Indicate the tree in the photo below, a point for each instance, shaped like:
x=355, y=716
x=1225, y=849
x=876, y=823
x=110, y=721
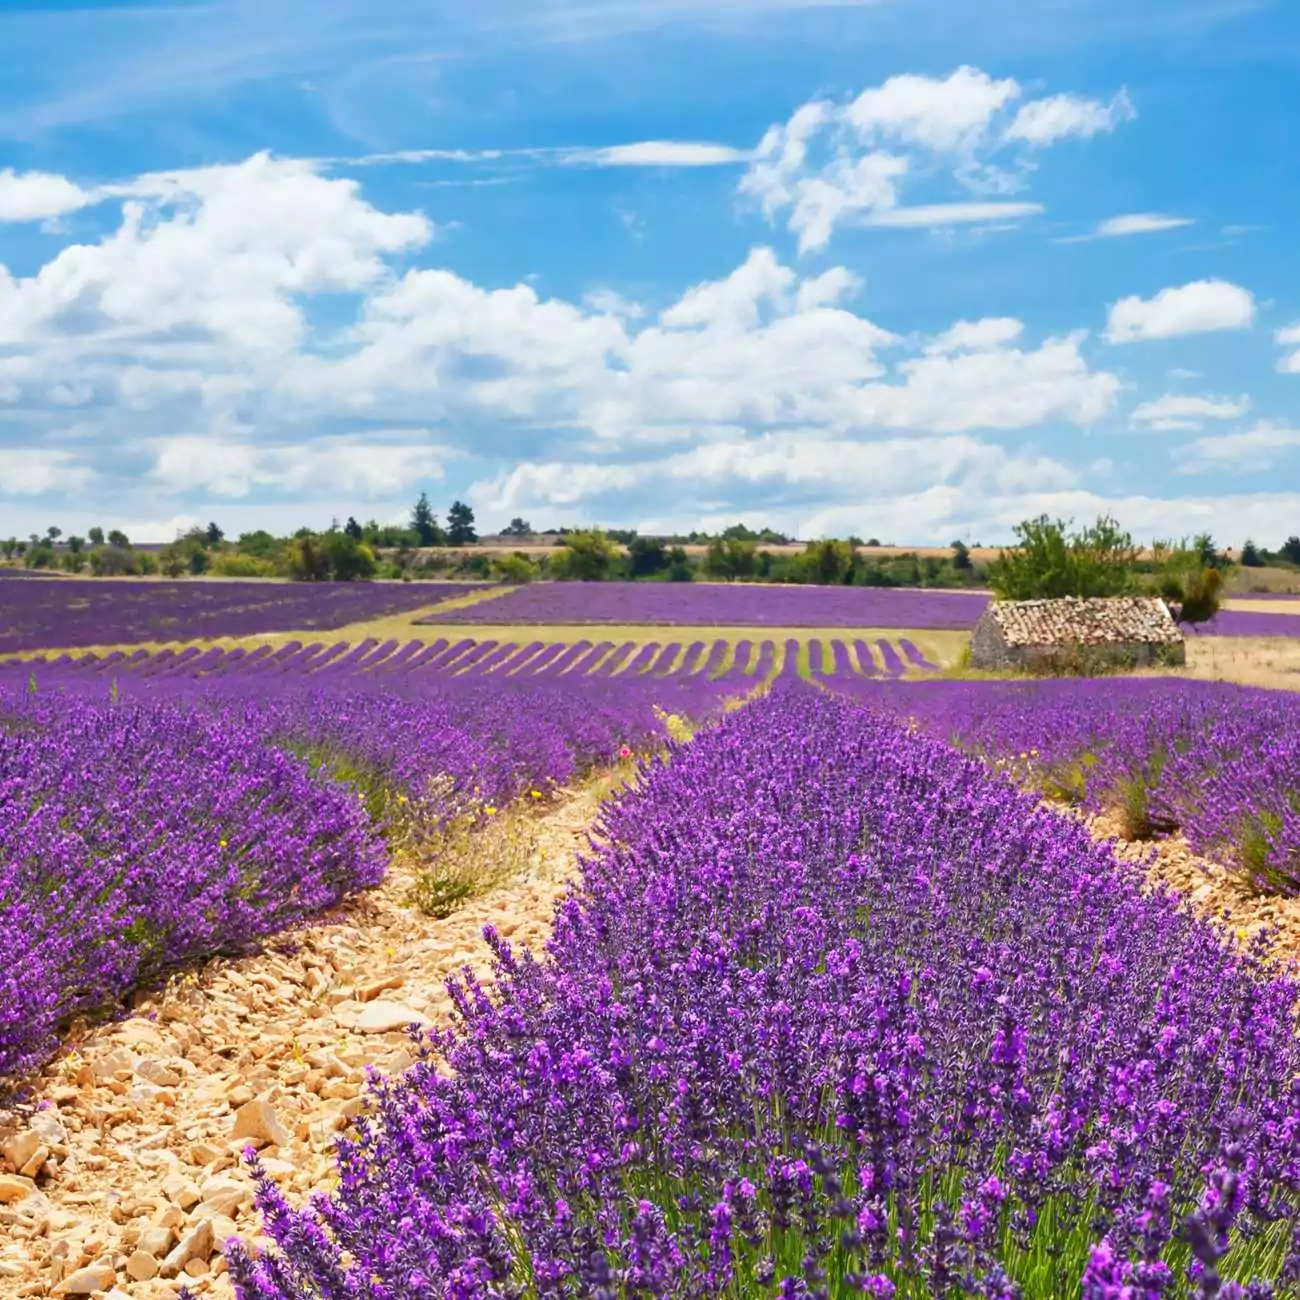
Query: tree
x=53, y=533
x=213, y=535
x=731, y=558
x=1192, y=587
x=827, y=562
x=119, y=539
x=587, y=555
x=353, y=529
x=9, y=547
x=1206, y=551
x=349, y=560
x=646, y=556
x=258, y=543
x=424, y=523
x=517, y=527
x=961, y=556
x=96, y=536
x=1049, y=561
x=516, y=567
x=1250, y=556
x=76, y=545
x=679, y=566
x=1290, y=551
x=460, y=525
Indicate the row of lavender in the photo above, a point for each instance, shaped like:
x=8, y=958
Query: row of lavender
x=757, y=605
x=834, y=1011
x=151, y=822
x=80, y=612
x=467, y=657
x=1219, y=762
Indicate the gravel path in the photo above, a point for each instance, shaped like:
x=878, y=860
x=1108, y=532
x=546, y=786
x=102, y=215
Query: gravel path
x=129, y=1178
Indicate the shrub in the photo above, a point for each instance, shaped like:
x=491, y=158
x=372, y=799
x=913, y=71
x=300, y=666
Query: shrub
x=235, y=564
x=516, y=568
x=1049, y=561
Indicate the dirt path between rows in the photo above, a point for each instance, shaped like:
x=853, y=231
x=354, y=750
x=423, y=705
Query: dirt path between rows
x=133, y=1170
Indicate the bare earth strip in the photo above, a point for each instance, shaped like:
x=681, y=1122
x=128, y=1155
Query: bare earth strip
x=136, y=1157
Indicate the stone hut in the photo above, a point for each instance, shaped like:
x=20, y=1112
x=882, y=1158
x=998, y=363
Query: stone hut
x=1125, y=631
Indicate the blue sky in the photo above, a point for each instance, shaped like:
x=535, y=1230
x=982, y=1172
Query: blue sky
x=908, y=268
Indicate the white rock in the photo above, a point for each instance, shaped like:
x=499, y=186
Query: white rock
x=383, y=1017
x=257, y=1120
x=195, y=1244
x=86, y=1281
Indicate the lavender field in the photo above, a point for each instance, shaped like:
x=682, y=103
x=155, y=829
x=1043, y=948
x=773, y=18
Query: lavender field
x=723, y=605
x=833, y=1011
x=58, y=612
x=835, y=1005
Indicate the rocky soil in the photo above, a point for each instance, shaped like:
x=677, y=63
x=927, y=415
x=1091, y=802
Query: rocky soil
x=1219, y=893
x=128, y=1177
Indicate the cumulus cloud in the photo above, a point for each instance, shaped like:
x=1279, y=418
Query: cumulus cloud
x=976, y=335
x=1250, y=452
x=1178, y=411
x=835, y=164
x=190, y=346
x=37, y=196
x=1045, y=121
x=1201, y=307
x=1289, y=338
x=36, y=471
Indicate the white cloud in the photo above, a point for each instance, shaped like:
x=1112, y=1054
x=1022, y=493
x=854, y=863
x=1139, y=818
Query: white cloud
x=217, y=253
x=660, y=153
x=1139, y=223
x=1177, y=411
x=34, y=471
x=827, y=289
x=1045, y=121
x=37, y=196
x=1250, y=452
x=976, y=335
x=832, y=165
x=1289, y=337
x=939, y=116
x=929, y=215
x=191, y=342
x=371, y=466
x=1197, y=308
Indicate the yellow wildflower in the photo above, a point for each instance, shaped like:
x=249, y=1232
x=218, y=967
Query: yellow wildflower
x=222, y=843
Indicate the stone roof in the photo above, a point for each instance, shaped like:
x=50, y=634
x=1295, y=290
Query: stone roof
x=1098, y=621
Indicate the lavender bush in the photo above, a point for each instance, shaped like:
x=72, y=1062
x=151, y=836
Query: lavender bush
x=1219, y=762
x=136, y=838
x=833, y=1011
x=150, y=819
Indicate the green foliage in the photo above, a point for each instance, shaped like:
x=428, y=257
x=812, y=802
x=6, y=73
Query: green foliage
x=517, y=527
x=516, y=567
x=234, y=564
x=39, y=556
x=188, y=554
x=469, y=851
x=587, y=555
x=731, y=558
x=329, y=556
x=460, y=525
x=424, y=523
x=826, y=562
x=1290, y=551
x=1250, y=556
x=118, y=538
x=1050, y=561
x=353, y=529
x=1188, y=578
x=679, y=566
x=96, y=536
x=961, y=556
x=113, y=561
x=646, y=556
